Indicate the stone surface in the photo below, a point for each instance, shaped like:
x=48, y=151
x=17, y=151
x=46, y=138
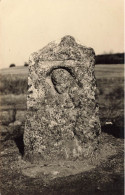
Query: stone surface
x=62, y=119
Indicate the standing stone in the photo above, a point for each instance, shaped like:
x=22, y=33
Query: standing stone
x=62, y=112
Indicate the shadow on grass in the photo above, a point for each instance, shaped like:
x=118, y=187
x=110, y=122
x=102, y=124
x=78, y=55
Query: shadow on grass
x=112, y=129
x=20, y=144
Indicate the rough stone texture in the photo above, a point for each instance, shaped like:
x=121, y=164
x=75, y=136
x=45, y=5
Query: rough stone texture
x=62, y=117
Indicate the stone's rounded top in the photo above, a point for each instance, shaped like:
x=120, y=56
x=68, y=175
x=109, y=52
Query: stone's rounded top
x=68, y=41
x=66, y=49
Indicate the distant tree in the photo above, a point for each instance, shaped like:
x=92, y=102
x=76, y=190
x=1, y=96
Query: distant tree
x=26, y=64
x=12, y=65
x=111, y=51
x=104, y=53
x=112, y=58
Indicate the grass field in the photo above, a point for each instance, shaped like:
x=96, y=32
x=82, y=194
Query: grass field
x=109, y=71
x=15, y=70
x=110, y=83
x=105, y=174
x=101, y=70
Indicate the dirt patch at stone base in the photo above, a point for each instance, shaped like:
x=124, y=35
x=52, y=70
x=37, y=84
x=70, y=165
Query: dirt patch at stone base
x=102, y=174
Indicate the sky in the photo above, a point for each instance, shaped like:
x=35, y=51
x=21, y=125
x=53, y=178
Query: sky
x=28, y=25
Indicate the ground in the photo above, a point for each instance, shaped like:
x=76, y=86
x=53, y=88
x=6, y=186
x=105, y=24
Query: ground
x=100, y=174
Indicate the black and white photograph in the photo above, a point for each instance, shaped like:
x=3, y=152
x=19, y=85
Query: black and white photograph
x=62, y=97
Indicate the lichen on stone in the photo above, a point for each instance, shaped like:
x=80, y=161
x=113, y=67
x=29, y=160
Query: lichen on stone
x=62, y=112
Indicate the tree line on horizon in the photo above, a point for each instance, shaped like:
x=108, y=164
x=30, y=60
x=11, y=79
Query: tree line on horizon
x=117, y=58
